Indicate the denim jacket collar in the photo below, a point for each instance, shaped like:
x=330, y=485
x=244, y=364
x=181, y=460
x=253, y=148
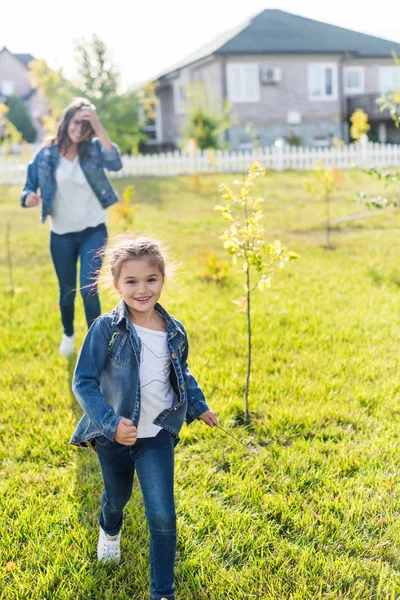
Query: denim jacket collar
x=121, y=315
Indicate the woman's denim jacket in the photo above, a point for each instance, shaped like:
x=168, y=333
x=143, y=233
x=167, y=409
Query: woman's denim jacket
x=106, y=379
x=42, y=174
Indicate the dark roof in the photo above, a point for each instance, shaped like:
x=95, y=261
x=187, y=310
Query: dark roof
x=279, y=32
x=24, y=58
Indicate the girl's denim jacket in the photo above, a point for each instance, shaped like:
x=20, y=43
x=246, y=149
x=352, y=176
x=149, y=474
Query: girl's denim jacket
x=42, y=174
x=106, y=379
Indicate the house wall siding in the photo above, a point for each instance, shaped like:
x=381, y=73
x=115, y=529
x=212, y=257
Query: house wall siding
x=11, y=69
x=269, y=116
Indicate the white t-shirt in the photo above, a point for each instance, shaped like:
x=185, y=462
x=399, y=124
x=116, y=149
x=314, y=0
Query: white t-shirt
x=75, y=206
x=156, y=391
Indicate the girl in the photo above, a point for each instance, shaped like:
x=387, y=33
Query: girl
x=75, y=193
x=133, y=382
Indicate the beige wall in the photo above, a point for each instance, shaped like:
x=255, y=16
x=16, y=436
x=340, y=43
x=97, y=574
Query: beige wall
x=276, y=100
x=11, y=69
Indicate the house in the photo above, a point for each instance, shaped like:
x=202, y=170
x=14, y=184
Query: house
x=14, y=81
x=287, y=75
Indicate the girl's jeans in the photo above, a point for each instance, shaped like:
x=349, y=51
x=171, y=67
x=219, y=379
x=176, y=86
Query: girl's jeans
x=65, y=250
x=153, y=460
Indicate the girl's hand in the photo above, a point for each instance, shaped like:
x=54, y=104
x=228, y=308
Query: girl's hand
x=89, y=115
x=126, y=433
x=32, y=200
x=209, y=417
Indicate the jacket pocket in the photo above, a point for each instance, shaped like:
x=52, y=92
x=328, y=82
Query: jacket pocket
x=101, y=440
x=120, y=351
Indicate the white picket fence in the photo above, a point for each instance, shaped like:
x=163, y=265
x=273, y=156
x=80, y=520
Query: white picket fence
x=168, y=164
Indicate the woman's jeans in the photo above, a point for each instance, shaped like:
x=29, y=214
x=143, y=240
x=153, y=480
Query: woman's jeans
x=65, y=250
x=153, y=460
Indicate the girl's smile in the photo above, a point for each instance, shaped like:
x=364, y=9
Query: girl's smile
x=140, y=283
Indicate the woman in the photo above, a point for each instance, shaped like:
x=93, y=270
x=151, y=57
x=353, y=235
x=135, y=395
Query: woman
x=75, y=193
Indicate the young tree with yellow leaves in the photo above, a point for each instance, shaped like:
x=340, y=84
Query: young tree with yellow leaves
x=359, y=124
x=321, y=186
x=244, y=240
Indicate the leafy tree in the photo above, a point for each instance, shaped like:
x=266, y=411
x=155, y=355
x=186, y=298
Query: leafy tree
x=57, y=90
x=390, y=179
x=125, y=211
x=245, y=241
x=19, y=116
x=322, y=184
x=207, y=118
x=98, y=80
x=9, y=133
x=359, y=124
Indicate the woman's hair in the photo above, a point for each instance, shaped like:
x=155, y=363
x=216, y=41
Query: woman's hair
x=62, y=138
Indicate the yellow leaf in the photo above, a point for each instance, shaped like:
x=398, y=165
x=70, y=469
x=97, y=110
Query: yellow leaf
x=10, y=565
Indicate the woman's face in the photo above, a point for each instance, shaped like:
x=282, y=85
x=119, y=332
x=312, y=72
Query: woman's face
x=78, y=129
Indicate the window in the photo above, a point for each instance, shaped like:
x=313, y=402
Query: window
x=322, y=81
x=179, y=97
x=243, y=82
x=7, y=88
x=389, y=79
x=353, y=80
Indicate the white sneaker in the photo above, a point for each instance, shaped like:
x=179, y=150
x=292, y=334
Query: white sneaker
x=67, y=346
x=108, y=548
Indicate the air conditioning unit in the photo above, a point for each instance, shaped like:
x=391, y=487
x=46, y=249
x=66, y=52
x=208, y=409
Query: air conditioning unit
x=270, y=74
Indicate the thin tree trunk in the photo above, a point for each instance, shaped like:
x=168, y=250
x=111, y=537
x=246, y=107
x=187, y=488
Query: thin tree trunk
x=328, y=223
x=246, y=393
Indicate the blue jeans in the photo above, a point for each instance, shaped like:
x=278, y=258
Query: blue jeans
x=153, y=460
x=65, y=250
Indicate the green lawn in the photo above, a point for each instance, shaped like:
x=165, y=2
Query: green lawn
x=312, y=509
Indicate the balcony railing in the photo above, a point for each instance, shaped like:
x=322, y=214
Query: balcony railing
x=367, y=102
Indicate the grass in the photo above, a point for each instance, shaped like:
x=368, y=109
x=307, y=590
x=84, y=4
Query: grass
x=312, y=509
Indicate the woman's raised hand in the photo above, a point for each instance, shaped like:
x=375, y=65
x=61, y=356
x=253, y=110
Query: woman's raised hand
x=89, y=114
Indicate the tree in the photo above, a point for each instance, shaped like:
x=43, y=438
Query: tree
x=98, y=80
x=9, y=133
x=245, y=241
x=57, y=90
x=321, y=186
x=19, y=116
x=359, y=124
x=391, y=102
x=207, y=118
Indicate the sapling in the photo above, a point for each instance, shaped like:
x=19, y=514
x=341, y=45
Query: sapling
x=244, y=240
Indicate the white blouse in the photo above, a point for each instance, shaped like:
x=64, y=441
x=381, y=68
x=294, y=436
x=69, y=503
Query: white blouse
x=156, y=392
x=75, y=206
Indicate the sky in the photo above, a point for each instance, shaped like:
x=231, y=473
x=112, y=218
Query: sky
x=145, y=38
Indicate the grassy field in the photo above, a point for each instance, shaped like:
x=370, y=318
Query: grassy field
x=312, y=509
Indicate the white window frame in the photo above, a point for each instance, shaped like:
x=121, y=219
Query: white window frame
x=241, y=96
x=179, y=100
x=382, y=70
x=349, y=91
x=322, y=66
